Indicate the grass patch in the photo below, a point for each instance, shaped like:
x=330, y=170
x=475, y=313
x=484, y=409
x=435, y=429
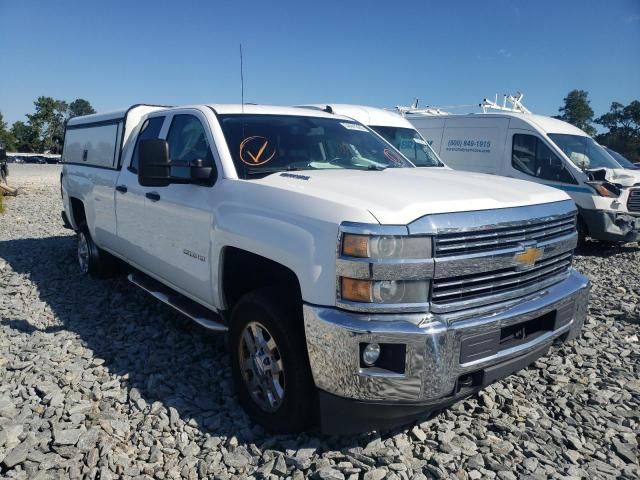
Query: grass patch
x=1, y=203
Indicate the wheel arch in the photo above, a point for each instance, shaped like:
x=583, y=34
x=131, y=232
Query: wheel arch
x=243, y=272
x=78, y=213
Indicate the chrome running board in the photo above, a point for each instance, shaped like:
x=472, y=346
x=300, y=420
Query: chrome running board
x=196, y=312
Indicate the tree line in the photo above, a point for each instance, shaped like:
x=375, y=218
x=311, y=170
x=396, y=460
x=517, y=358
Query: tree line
x=44, y=129
x=621, y=121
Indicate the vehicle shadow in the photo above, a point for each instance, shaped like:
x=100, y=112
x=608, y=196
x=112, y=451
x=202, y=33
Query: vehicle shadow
x=604, y=249
x=158, y=355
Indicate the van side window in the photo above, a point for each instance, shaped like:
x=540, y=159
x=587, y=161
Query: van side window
x=150, y=129
x=187, y=142
x=530, y=155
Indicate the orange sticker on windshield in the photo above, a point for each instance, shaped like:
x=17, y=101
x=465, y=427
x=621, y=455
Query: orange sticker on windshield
x=255, y=151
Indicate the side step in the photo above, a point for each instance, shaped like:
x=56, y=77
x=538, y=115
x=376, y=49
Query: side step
x=184, y=305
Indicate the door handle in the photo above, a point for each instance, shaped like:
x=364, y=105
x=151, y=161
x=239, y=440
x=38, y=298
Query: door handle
x=122, y=188
x=153, y=196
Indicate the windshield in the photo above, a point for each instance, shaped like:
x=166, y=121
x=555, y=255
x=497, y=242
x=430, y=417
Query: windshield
x=411, y=145
x=623, y=161
x=584, y=152
x=263, y=144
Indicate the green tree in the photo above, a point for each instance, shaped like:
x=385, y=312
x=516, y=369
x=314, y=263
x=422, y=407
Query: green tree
x=48, y=122
x=6, y=136
x=577, y=111
x=26, y=138
x=79, y=107
x=623, y=123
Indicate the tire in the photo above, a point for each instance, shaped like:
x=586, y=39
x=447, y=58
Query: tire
x=582, y=232
x=92, y=260
x=282, y=368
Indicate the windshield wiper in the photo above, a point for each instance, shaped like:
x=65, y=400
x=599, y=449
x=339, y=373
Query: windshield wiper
x=377, y=168
x=266, y=171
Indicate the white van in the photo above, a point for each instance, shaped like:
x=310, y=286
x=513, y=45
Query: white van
x=544, y=150
x=392, y=127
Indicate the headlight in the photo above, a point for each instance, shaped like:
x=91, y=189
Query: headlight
x=386, y=246
x=384, y=291
x=605, y=189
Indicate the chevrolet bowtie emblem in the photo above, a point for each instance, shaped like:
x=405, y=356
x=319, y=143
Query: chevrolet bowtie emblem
x=529, y=257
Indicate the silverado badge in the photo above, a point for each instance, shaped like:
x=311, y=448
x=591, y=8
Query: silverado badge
x=528, y=257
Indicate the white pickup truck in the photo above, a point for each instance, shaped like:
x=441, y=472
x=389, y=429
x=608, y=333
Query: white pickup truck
x=356, y=289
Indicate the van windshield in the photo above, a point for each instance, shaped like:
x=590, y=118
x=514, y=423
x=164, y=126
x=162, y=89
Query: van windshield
x=411, y=144
x=584, y=152
x=622, y=160
x=264, y=144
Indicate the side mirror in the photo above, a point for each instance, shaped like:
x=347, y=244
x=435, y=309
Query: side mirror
x=154, y=167
x=556, y=164
x=200, y=172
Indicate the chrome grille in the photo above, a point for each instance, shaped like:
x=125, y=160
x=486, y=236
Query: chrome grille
x=633, y=204
x=461, y=243
x=484, y=284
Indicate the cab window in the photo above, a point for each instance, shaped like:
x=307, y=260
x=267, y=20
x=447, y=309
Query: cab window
x=187, y=143
x=150, y=129
x=531, y=155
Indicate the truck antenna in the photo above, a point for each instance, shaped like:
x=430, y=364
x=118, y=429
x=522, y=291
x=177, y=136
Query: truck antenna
x=241, y=80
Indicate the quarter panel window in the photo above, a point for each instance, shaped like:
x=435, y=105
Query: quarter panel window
x=150, y=129
x=187, y=142
x=532, y=156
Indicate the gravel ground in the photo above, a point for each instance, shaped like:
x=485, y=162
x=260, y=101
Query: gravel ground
x=98, y=380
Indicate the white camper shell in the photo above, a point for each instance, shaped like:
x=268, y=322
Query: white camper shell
x=391, y=126
x=544, y=150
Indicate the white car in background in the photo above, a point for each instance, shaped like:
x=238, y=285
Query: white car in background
x=543, y=150
x=392, y=127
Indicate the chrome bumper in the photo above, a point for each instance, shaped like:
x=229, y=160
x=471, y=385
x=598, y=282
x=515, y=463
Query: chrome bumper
x=440, y=349
x=612, y=226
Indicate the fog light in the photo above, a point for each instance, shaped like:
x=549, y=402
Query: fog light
x=370, y=354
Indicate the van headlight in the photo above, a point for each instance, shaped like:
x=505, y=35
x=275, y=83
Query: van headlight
x=385, y=246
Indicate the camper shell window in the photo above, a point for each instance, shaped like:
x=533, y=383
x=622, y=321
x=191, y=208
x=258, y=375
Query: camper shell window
x=92, y=145
x=532, y=156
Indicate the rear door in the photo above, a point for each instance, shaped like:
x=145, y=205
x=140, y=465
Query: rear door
x=179, y=218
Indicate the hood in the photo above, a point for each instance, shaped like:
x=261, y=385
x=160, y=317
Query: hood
x=621, y=176
x=401, y=195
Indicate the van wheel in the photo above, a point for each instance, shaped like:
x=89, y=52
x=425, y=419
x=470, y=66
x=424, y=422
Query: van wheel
x=269, y=362
x=91, y=259
x=582, y=233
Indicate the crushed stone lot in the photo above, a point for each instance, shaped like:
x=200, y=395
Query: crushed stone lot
x=99, y=380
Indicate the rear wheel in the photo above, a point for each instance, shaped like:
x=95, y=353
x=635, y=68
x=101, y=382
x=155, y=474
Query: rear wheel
x=92, y=260
x=269, y=362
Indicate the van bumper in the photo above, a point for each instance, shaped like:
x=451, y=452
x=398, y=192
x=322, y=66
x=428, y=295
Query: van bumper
x=619, y=227
x=432, y=361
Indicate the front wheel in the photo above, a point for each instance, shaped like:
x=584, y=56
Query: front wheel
x=582, y=232
x=269, y=362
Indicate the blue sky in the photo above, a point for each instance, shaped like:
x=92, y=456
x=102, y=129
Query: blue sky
x=116, y=53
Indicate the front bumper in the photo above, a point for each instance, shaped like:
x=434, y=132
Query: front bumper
x=612, y=226
x=447, y=357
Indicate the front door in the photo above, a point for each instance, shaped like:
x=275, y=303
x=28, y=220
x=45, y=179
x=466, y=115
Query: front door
x=530, y=158
x=130, y=201
x=179, y=217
